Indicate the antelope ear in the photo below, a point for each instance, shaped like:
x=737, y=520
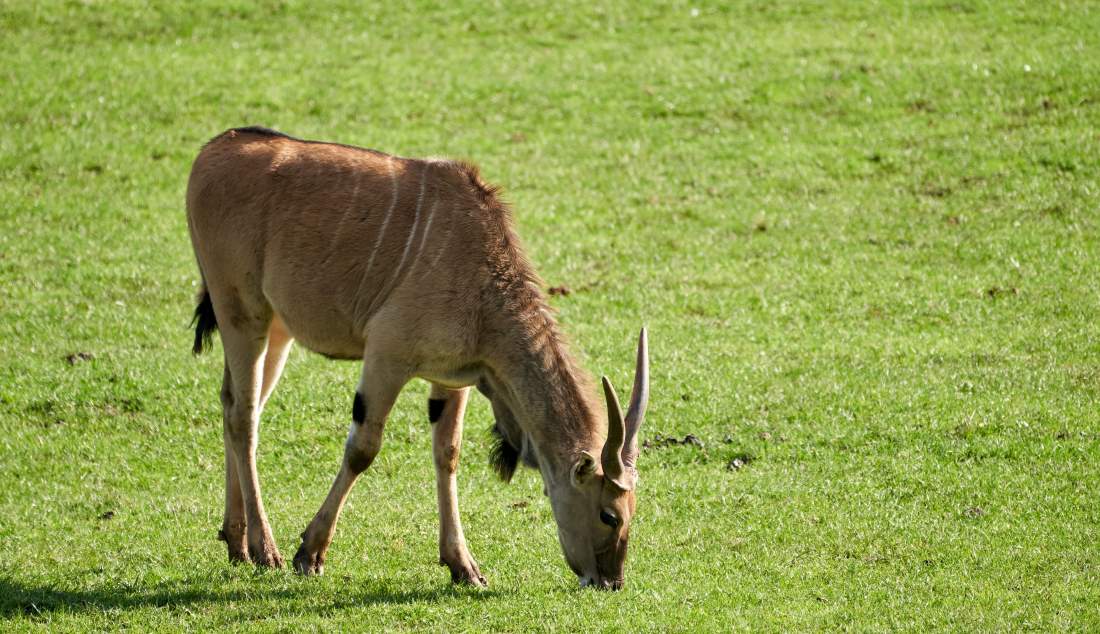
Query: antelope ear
x=583, y=469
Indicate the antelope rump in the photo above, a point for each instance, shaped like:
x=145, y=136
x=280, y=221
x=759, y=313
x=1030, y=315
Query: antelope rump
x=413, y=268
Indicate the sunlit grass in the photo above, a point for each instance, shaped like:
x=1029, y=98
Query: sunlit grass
x=863, y=237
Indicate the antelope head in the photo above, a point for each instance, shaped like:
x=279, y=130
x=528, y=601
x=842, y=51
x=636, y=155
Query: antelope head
x=594, y=507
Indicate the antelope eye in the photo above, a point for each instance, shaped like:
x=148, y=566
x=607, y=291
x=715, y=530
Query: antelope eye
x=609, y=519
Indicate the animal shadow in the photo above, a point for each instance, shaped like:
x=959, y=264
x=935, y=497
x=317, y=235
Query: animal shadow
x=19, y=597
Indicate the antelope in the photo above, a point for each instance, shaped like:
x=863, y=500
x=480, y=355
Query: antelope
x=413, y=268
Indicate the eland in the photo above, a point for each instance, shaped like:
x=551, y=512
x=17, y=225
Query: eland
x=413, y=268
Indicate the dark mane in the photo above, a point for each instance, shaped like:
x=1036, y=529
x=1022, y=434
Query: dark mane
x=260, y=130
x=503, y=455
x=518, y=290
x=487, y=193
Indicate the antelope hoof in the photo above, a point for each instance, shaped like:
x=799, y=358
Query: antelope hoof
x=307, y=563
x=237, y=546
x=465, y=573
x=266, y=556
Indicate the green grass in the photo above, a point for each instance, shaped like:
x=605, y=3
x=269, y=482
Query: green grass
x=864, y=237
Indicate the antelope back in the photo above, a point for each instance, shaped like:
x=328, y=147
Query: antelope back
x=333, y=237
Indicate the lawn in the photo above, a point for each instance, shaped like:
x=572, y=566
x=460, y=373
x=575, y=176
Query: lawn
x=864, y=237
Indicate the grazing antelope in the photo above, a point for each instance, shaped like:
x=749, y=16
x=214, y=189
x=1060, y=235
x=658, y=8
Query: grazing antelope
x=413, y=268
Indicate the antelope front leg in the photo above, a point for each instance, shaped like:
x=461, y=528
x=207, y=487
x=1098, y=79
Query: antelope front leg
x=445, y=411
x=378, y=389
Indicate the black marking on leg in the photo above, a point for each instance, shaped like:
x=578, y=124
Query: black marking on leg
x=503, y=457
x=358, y=461
x=435, y=408
x=358, y=409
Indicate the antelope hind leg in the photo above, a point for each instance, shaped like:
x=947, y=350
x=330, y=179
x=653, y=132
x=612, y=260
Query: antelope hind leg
x=279, y=341
x=244, y=357
x=234, y=527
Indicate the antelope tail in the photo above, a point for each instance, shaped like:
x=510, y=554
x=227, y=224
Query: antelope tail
x=204, y=321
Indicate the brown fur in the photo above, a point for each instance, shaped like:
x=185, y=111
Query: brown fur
x=412, y=266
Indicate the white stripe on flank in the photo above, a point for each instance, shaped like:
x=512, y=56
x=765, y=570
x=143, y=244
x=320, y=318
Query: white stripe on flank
x=427, y=228
x=416, y=215
x=354, y=203
x=386, y=220
x=355, y=192
x=441, y=247
x=412, y=229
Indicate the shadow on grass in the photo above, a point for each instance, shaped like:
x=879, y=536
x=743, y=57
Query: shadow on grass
x=29, y=599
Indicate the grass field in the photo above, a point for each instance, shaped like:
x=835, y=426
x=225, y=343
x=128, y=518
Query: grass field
x=864, y=237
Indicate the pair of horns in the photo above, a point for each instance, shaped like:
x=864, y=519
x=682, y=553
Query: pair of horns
x=620, y=453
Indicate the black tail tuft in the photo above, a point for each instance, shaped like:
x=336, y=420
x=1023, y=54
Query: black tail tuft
x=205, y=322
x=503, y=457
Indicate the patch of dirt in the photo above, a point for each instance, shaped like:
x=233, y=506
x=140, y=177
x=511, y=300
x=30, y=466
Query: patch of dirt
x=107, y=516
x=740, y=461
x=78, y=357
x=993, y=292
x=934, y=190
x=974, y=512
x=559, y=291
x=46, y=413
x=660, y=440
x=921, y=105
x=123, y=405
